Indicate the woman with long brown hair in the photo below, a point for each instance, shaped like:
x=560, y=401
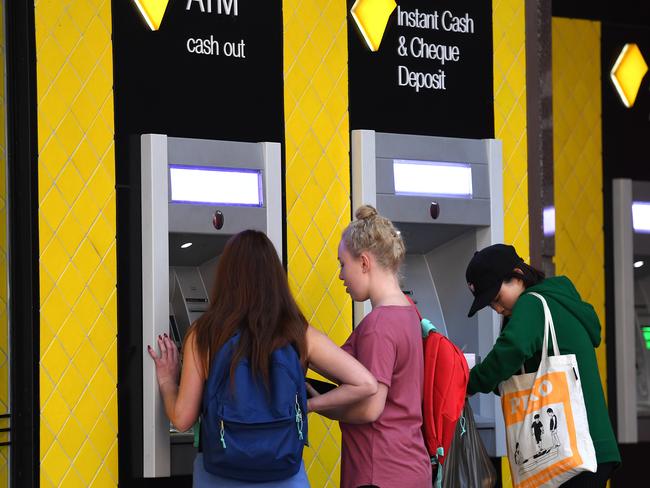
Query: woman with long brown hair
x=251, y=301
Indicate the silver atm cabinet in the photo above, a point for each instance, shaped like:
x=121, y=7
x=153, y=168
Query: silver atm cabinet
x=445, y=197
x=631, y=245
x=195, y=195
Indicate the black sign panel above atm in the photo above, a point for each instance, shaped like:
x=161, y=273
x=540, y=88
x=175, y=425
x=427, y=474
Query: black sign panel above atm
x=421, y=67
x=199, y=68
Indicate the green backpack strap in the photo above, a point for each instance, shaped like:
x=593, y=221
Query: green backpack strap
x=427, y=328
x=439, y=452
x=197, y=432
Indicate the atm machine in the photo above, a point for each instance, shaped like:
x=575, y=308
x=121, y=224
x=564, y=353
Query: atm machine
x=195, y=194
x=631, y=239
x=445, y=197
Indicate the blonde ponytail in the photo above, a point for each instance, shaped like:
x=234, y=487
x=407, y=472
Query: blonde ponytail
x=376, y=234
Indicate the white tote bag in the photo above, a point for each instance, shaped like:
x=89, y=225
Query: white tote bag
x=547, y=432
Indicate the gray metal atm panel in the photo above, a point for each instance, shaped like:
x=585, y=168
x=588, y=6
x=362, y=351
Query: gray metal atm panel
x=447, y=265
x=415, y=209
x=203, y=152
x=423, y=290
x=197, y=219
x=386, y=180
x=412, y=208
x=442, y=247
x=448, y=149
x=165, y=226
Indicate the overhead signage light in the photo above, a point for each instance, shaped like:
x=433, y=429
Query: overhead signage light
x=628, y=72
x=223, y=186
x=548, y=221
x=641, y=217
x=412, y=177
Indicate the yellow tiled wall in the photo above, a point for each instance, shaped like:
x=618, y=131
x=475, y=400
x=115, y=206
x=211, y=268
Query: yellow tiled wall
x=577, y=154
x=77, y=211
x=509, y=32
x=76, y=185
x=318, y=187
x=318, y=167
x=5, y=407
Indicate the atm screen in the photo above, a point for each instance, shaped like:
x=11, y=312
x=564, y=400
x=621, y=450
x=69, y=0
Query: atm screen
x=413, y=177
x=222, y=186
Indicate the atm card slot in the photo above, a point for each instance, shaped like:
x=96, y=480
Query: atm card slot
x=174, y=332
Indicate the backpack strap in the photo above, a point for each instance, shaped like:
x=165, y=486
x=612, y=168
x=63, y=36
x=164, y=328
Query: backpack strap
x=427, y=328
x=197, y=433
x=430, y=353
x=434, y=461
x=219, y=369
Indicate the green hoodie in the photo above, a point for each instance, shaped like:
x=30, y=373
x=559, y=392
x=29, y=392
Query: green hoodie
x=578, y=332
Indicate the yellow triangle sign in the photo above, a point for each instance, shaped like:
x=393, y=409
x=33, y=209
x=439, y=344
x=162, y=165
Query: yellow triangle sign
x=152, y=11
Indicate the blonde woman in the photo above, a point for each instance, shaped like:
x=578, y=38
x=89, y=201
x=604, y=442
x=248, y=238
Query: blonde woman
x=382, y=443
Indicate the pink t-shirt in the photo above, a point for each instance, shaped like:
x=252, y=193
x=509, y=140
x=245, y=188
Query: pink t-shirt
x=389, y=452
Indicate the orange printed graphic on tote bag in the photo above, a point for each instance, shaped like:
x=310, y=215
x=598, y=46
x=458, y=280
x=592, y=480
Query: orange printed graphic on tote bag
x=549, y=392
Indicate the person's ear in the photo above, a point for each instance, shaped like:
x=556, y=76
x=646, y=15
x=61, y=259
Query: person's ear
x=517, y=270
x=365, y=262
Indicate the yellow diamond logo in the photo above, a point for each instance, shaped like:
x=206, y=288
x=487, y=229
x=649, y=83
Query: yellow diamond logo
x=152, y=11
x=372, y=17
x=628, y=72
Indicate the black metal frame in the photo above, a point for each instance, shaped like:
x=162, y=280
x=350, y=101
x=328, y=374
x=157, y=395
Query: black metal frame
x=22, y=177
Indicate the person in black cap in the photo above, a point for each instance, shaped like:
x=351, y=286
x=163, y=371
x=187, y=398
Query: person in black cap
x=499, y=278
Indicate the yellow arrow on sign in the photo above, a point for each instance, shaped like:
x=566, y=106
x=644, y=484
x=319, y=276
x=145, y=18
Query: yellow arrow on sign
x=152, y=11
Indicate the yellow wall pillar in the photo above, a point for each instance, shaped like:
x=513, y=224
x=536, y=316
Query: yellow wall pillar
x=317, y=187
x=76, y=185
x=578, y=164
x=509, y=32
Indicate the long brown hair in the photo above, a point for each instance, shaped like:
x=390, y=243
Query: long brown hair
x=251, y=296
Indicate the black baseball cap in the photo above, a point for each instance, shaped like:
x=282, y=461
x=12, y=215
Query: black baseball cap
x=486, y=272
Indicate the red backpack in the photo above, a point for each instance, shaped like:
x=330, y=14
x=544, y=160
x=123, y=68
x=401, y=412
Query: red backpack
x=445, y=388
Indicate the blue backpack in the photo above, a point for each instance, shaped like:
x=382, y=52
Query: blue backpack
x=249, y=432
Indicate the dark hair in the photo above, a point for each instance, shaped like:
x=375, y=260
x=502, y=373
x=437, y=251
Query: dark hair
x=529, y=276
x=251, y=296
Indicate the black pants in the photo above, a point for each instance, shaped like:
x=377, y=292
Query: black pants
x=592, y=480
